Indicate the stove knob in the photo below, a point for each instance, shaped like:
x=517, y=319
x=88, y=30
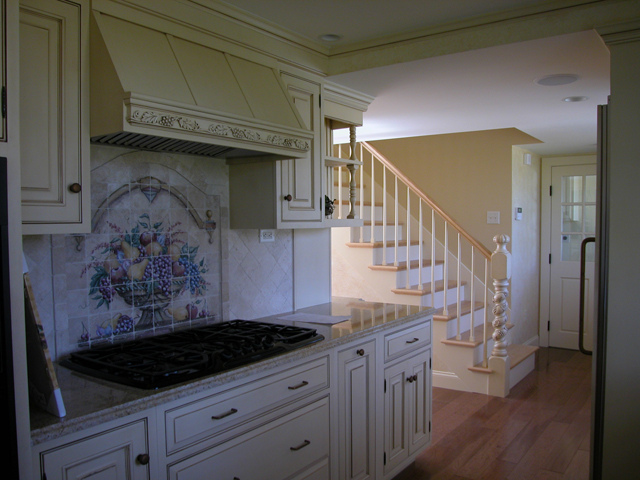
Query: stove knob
x=143, y=458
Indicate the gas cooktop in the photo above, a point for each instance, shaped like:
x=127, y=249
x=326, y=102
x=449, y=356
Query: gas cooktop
x=172, y=358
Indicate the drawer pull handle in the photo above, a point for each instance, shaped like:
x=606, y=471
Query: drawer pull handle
x=226, y=414
x=413, y=341
x=143, y=458
x=360, y=351
x=301, y=446
x=304, y=383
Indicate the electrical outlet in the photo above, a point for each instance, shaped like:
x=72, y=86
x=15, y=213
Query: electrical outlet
x=493, y=217
x=267, y=236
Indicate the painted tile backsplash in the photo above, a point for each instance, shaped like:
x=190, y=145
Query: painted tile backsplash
x=160, y=255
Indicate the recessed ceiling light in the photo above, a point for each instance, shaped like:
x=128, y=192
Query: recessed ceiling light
x=330, y=37
x=558, y=79
x=574, y=99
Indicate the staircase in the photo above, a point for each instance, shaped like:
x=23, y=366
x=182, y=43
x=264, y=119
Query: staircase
x=404, y=249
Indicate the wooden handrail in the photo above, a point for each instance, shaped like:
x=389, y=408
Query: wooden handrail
x=392, y=168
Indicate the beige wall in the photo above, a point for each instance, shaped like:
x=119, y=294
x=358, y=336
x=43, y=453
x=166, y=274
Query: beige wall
x=525, y=248
x=466, y=174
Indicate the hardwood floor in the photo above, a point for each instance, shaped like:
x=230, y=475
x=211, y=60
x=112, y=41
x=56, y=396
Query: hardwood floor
x=540, y=431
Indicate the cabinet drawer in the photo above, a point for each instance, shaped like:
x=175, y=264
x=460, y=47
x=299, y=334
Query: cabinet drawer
x=275, y=451
x=407, y=340
x=213, y=415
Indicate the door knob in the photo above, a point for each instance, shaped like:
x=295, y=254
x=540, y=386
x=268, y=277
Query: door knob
x=288, y=198
x=75, y=188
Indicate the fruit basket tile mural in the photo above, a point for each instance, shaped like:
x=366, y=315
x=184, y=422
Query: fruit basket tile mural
x=146, y=270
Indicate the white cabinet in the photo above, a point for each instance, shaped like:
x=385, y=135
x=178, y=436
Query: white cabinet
x=357, y=411
x=54, y=134
x=407, y=410
x=291, y=445
x=282, y=193
x=119, y=453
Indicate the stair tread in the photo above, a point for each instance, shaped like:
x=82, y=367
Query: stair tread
x=465, y=307
x=391, y=243
x=403, y=266
x=426, y=288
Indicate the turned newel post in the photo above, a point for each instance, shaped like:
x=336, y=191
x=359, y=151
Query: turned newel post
x=352, y=173
x=501, y=274
x=499, y=361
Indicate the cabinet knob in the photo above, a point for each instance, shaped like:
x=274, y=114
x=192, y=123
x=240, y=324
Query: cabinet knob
x=143, y=458
x=75, y=188
x=288, y=198
x=360, y=351
x=412, y=378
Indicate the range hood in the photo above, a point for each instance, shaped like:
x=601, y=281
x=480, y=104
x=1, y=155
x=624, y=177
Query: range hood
x=155, y=91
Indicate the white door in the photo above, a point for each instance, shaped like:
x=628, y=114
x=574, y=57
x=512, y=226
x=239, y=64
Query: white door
x=573, y=218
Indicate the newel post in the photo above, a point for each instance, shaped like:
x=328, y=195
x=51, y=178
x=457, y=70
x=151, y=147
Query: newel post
x=352, y=174
x=499, y=361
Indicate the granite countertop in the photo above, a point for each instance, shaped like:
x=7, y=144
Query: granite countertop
x=90, y=401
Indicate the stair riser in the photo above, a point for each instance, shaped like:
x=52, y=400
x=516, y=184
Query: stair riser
x=377, y=231
x=389, y=253
x=401, y=276
x=439, y=298
x=465, y=321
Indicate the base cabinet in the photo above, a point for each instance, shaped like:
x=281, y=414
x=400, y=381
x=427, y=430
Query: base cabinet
x=356, y=411
x=289, y=446
x=407, y=404
x=121, y=453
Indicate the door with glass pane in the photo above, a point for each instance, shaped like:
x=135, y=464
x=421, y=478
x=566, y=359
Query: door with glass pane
x=573, y=218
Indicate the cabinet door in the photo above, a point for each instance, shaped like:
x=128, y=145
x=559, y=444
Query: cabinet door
x=113, y=455
x=407, y=408
x=300, y=177
x=356, y=411
x=53, y=106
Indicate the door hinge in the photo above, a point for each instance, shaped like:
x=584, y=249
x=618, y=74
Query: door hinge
x=549, y=259
x=384, y=458
x=548, y=325
x=429, y=425
x=550, y=190
x=4, y=102
x=320, y=100
x=385, y=386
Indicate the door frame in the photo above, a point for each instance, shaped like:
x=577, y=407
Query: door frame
x=546, y=165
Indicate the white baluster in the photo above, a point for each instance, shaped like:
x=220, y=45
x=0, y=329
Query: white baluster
x=352, y=167
x=445, y=309
x=472, y=335
x=395, y=223
x=433, y=256
x=420, y=259
x=485, y=316
x=408, y=237
x=340, y=192
x=384, y=215
x=362, y=194
x=373, y=217
x=458, y=292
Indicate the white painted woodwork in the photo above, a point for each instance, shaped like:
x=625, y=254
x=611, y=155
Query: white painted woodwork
x=259, y=190
x=108, y=455
x=189, y=423
x=407, y=409
x=501, y=274
x=564, y=283
x=356, y=411
x=53, y=116
x=273, y=452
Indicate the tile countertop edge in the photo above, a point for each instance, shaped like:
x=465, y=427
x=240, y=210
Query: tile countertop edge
x=123, y=401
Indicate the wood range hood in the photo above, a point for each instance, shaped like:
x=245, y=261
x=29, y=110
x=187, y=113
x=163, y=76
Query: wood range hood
x=156, y=91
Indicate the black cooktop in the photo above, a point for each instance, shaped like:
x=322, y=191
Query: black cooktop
x=172, y=358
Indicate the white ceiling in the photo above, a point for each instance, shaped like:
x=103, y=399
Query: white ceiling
x=474, y=90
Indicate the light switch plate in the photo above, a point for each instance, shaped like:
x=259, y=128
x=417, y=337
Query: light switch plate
x=267, y=236
x=493, y=217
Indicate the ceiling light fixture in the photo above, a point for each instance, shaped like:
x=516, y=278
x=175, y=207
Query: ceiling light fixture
x=574, y=99
x=557, y=79
x=330, y=37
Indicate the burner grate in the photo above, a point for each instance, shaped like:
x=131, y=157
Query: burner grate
x=176, y=357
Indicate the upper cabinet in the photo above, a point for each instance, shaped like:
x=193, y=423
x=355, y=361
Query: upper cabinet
x=283, y=193
x=54, y=133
